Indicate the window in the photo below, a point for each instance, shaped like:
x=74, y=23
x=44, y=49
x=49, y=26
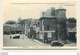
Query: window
x=48, y=27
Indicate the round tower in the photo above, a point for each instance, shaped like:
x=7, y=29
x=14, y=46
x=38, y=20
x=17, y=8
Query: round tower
x=61, y=24
x=61, y=14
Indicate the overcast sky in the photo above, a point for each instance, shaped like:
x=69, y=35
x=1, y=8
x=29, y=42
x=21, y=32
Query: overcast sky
x=13, y=9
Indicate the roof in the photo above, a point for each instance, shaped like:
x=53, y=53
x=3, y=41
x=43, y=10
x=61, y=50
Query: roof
x=60, y=7
x=48, y=12
x=35, y=20
x=13, y=25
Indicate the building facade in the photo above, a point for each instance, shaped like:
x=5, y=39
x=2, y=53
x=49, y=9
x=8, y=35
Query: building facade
x=53, y=25
x=33, y=29
x=71, y=29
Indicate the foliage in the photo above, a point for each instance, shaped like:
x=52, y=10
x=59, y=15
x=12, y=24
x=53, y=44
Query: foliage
x=71, y=20
x=10, y=22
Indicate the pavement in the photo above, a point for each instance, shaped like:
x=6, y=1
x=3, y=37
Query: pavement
x=25, y=41
x=38, y=41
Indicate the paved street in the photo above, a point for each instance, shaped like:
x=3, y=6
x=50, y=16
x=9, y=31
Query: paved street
x=24, y=41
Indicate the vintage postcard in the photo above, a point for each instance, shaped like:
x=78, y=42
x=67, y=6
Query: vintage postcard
x=39, y=25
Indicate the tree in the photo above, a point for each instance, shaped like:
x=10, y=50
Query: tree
x=22, y=22
x=10, y=22
x=71, y=20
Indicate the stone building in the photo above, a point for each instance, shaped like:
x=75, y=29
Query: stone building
x=71, y=29
x=33, y=29
x=53, y=25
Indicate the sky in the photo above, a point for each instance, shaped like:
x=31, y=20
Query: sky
x=13, y=9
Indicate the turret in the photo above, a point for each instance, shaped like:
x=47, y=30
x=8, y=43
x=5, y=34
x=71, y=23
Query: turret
x=60, y=14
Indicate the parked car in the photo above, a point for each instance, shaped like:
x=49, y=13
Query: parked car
x=15, y=36
x=56, y=43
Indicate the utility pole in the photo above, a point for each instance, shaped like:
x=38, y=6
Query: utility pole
x=16, y=29
x=56, y=30
x=43, y=30
x=67, y=30
x=25, y=28
x=9, y=30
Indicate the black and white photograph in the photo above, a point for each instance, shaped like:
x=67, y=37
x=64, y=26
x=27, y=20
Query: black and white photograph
x=39, y=25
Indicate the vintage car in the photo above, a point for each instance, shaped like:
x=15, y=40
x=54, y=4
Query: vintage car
x=15, y=36
x=56, y=43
